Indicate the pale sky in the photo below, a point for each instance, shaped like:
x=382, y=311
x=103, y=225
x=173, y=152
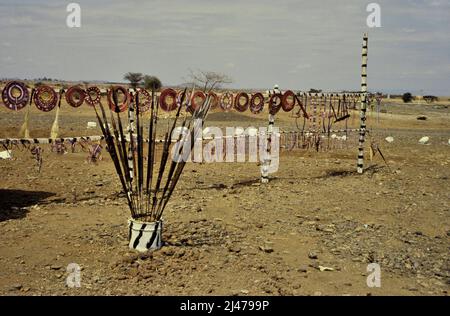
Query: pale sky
x=296, y=44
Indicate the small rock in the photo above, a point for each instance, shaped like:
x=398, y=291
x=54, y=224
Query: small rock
x=322, y=268
x=422, y=118
x=424, y=140
x=312, y=255
x=55, y=267
x=16, y=287
x=266, y=249
x=245, y=291
x=314, y=265
x=189, y=242
x=168, y=251
x=234, y=249
x=389, y=139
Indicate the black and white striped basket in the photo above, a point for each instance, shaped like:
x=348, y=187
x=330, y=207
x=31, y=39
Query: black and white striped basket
x=144, y=236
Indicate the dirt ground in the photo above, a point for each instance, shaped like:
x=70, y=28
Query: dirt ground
x=225, y=233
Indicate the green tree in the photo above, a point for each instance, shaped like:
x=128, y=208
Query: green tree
x=135, y=78
x=152, y=83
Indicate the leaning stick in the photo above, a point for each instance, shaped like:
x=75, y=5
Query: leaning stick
x=164, y=158
x=162, y=165
x=131, y=162
x=121, y=144
x=173, y=164
x=305, y=114
x=199, y=113
x=151, y=137
x=139, y=144
x=111, y=147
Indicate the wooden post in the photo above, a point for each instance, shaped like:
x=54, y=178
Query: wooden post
x=362, y=133
x=267, y=159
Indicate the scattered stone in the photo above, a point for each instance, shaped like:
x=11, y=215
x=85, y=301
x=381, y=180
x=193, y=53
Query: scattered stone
x=16, y=287
x=5, y=154
x=266, y=249
x=312, y=255
x=91, y=125
x=424, y=140
x=218, y=186
x=235, y=249
x=168, y=252
x=322, y=268
x=314, y=265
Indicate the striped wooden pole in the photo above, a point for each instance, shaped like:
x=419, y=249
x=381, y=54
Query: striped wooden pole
x=362, y=133
x=131, y=144
x=267, y=159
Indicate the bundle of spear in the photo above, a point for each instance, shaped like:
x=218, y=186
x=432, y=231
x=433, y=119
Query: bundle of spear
x=147, y=198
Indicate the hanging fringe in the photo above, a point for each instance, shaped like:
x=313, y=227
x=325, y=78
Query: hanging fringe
x=25, y=130
x=55, y=127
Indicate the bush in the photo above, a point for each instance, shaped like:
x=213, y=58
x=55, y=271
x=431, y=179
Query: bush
x=430, y=98
x=407, y=97
x=152, y=83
